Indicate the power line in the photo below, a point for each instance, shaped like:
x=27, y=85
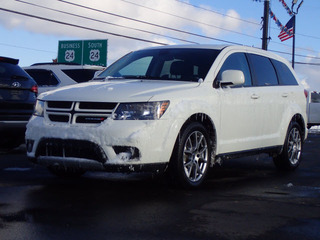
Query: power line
x=82, y=27
x=312, y=64
x=246, y=21
x=314, y=37
x=239, y=19
x=105, y=22
x=115, y=34
x=156, y=25
x=299, y=55
x=188, y=19
x=286, y=45
x=210, y=10
x=33, y=49
x=148, y=23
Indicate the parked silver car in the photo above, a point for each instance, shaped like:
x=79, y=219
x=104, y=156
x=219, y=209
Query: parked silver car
x=50, y=76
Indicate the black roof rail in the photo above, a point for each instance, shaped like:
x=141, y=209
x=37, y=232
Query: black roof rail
x=52, y=63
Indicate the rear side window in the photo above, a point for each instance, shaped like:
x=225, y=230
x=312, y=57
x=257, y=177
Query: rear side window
x=315, y=97
x=237, y=61
x=43, y=77
x=80, y=75
x=264, y=72
x=285, y=75
x=12, y=71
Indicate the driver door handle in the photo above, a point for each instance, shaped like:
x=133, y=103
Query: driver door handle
x=255, y=96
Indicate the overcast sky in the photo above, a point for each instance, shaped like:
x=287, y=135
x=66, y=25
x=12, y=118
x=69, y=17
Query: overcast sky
x=167, y=22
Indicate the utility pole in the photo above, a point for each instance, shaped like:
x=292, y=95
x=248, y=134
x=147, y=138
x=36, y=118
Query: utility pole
x=294, y=39
x=265, y=26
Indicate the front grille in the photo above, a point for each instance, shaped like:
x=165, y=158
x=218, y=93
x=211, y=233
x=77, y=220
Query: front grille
x=78, y=112
x=58, y=104
x=69, y=148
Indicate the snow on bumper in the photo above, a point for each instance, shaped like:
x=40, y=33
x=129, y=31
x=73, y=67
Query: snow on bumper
x=129, y=144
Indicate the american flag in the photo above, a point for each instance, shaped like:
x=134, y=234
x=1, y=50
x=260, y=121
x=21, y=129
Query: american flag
x=285, y=35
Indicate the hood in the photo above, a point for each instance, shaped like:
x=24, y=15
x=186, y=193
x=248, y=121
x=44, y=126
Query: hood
x=116, y=91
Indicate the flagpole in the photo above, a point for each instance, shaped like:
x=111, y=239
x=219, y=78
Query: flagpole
x=293, y=39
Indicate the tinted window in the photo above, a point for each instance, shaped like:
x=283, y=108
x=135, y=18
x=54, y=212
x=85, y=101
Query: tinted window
x=168, y=64
x=80, y=75
x=315, y=97
x=264, y=72
x=12, y=71
x=237, y=61
x=43, y=77
x=284, y=74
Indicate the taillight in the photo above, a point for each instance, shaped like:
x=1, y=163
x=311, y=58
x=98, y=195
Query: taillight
x=306, y=93
x=34, y=89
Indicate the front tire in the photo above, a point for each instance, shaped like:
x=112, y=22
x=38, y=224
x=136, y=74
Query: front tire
x=290, y=157
x=190, y=159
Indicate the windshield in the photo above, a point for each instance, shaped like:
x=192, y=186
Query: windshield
x=179, y=64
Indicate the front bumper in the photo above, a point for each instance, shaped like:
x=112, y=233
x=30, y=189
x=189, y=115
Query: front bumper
x=116, y=146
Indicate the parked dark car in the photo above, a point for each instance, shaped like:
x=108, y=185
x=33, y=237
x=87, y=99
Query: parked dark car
x=18, y=93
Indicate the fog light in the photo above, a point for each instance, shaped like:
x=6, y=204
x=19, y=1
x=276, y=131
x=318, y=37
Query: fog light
x=29, y=145
x=127, y=153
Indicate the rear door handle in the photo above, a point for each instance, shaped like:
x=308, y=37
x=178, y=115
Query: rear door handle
x=255, y=96
x=285, y=94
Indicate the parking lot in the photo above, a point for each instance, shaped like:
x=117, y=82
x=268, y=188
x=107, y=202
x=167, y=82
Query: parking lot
x=244, y=198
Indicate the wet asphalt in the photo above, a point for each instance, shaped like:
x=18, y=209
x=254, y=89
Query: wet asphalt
x=244, y=198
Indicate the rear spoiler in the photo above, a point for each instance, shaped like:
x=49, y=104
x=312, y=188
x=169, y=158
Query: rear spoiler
x=9, y=60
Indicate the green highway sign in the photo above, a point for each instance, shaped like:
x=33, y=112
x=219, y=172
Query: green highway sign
x=91, y=52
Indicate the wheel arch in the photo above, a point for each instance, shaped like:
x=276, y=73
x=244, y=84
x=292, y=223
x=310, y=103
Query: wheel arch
x=209, y=125
x=299, y=120
x=289, y=157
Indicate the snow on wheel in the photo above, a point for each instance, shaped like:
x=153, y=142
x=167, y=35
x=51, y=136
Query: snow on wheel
x=290, y=157
x=190, y=159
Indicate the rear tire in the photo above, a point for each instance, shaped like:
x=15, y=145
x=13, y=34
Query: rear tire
x=191, y=156
x=290, y=157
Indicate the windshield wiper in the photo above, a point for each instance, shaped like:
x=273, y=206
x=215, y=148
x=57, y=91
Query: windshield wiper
x=107, y=78
x=141, y=77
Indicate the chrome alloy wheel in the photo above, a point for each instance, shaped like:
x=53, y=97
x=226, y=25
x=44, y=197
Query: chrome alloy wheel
x=195, y=156
x=294, y=146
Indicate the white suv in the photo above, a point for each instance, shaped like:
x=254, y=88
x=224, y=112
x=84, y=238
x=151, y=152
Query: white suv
x=50, y=76
x=178, y=109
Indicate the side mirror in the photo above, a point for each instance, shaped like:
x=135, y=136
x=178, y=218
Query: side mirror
x=97, y=73
x=232, y=77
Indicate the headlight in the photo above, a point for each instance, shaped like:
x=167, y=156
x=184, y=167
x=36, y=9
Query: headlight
x=39, y=108
x=140, y=111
